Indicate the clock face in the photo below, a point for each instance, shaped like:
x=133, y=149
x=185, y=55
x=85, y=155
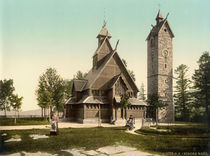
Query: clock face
x=165, y=53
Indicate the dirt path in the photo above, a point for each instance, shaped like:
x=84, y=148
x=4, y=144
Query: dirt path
x=61, y=125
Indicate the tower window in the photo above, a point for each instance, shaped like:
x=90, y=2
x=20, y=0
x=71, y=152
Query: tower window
x=165, y=65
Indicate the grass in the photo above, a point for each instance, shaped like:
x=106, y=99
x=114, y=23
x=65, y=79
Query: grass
x=94, y=138
x=23, y=121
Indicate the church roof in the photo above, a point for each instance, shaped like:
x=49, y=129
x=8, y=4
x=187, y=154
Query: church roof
x=133, y=101
x=79, y=84
x=99, y=48
x=104, y=32
x=89, y=99
x=111, y=82
x=94, y=74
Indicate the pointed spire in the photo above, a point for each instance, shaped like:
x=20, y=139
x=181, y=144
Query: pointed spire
x=104, y=32
x=159, y=17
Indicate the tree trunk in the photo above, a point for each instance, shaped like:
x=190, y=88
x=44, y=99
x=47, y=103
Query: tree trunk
x=42, y=112
x=125, y=113
x=15, y=117
x=156, y=116
x=49, y=113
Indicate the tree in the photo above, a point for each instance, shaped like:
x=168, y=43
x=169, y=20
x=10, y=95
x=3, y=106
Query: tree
x=50, y=92
x=131, y=73
x=201, y=80
x=142, y=92
x=80, y=75
x=6, y=91
x=155, y=103
x=68, y=84
x=182, y=97
x=124, y=101
x=16, y=103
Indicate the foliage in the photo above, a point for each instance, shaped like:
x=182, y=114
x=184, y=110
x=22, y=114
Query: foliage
x=142, y=92
x=23, y=121
x=16, y=103
x=182, y=96
x=80, y=75
x=124, y=101
x=156, y=103
x=50, y=92
x=201, y=80
x=68, y=84
x=6, y=91
x=131, y=73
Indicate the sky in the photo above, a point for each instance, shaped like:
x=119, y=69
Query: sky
x=38, y=34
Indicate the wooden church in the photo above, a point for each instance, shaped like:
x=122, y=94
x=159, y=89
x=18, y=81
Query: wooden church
x=97, y=97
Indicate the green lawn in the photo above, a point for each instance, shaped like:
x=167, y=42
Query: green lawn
x=94, y=138
x=23, y=121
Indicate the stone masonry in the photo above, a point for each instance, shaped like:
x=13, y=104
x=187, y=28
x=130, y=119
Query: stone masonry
x=160, y=66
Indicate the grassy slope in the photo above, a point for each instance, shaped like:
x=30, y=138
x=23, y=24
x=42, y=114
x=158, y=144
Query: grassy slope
x=23, y=121
x=93, y=138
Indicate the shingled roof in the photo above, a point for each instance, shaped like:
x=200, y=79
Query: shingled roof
x=79, y=85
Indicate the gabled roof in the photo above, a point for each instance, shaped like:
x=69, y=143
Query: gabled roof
x=133, y=85
x=155, y=30
x=99, y=48
x=94, y=74
x=111, y=82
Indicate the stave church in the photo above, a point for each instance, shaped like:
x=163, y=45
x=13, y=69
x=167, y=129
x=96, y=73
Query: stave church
x=97, y=97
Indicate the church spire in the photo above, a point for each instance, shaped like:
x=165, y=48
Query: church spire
x=103, y=34
x=159, y=17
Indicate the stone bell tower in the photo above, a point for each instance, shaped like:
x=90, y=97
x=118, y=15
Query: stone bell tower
x=160, y=66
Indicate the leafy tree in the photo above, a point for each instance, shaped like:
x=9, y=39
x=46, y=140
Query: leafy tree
x=124, y=101
x=155, y=103
x=142, y=92
x=201, y=79
x=131, y=73
x=6, y=91
x=50, y=92
x=182, y=97
x=16, y=103
x=68, y=88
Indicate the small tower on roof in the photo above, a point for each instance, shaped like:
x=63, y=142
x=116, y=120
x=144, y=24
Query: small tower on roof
x=104, y=47
x=103, y=34
x=159, y=17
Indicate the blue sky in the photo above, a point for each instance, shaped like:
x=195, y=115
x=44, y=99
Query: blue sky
x=37, y=34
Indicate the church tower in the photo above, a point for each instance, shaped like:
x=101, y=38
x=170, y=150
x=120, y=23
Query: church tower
x=160, y=66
